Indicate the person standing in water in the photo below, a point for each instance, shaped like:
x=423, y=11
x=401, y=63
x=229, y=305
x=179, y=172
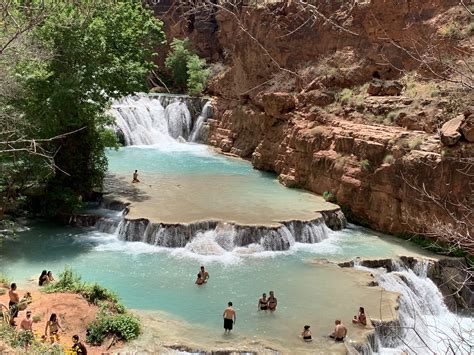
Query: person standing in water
x=272, y=302
x=199, y=280
x=204, y=274
x=263, y=303
x=306, y=334
x=135, y=177
x=229, y=318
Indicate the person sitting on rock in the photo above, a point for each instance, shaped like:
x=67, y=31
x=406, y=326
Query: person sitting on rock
x=50, y=277
x=340, y=331
x=360, y=318
x=135, y=177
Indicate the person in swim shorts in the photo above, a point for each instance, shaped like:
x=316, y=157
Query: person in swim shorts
x=229, y=318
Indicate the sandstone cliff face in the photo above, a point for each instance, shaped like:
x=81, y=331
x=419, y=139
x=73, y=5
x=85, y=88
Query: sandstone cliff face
x=278, y=103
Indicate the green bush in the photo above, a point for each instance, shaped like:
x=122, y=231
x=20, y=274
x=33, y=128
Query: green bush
x=70, y=282
x=344, y=96
x=329, y=196
x=123, y=326
x=4, y=280
x=197, y=75
x=188, y=70
x=364, y=164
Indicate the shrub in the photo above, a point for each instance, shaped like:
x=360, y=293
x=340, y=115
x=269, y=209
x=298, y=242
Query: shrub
x=197, y=75
x=451, y=30
x=392, y=116
x=36, y=319
x=329, y=196
x=415, y=142
x=389, y=159
x=364, y=164
x=344, y=96
x=4, y=280
x=123, y=326
x=188, y=70
x=70, y=282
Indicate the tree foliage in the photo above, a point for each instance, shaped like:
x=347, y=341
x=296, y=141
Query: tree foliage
x=188, y=70
x=99, y=51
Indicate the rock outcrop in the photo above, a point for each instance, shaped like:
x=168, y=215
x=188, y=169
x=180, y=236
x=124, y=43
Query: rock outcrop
x=279, y=102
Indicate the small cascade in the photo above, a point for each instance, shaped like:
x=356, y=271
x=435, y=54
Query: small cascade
x=214, y=237
x=144, y=119
x=206, y=113
x=425, y=324
x=178, y=118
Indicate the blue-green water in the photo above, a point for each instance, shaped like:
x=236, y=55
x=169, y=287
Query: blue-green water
x=151, y=278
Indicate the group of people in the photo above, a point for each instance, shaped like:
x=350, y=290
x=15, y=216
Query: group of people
x=340, y=331
x=269, y=303
x=26, y=325
x=45, y=278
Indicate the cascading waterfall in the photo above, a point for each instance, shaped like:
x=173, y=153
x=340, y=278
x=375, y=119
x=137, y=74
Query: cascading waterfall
x=210, y=237
x=144, y=119
x=206, y=113
x=425, y=324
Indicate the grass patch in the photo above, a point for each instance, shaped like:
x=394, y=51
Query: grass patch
x=452, y=30
x=4, y=280
x=36, y=319
x=435, y=247
x=415, y=142
x=344, y=96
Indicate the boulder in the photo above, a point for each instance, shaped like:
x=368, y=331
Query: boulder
x=450, y=132
x=384, y=88
x=158, y=90
x=277, y=103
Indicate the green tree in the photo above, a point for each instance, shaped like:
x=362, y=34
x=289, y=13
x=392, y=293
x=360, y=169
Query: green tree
x=197, y=75
x=188, y=70
x=100, y=51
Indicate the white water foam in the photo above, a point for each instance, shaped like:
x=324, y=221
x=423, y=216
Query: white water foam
x=426, y=325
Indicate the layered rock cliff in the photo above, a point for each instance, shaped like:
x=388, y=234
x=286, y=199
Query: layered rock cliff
x=294, y=92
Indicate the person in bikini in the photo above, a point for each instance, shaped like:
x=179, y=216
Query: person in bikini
x=340, y=331
x=360, y=318
x=263, y=303
x=54, y=326
x=272, y=302
x=306, y=334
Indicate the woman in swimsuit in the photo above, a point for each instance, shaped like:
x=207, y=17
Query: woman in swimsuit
x=54, y=326
x=263, y=303
x=360, y=318
x=272, y=302
x=306, y=334
x=43, y=279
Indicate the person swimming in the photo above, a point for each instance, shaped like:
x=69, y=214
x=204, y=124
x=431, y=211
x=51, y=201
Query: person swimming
x=306, y=334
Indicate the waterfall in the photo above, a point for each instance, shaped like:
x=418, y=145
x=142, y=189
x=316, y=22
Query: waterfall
x=425, y=324
x=206, y=113
x=214, y=237
x=144, y=119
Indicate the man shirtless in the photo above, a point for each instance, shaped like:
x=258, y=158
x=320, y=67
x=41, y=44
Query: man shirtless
x=13, y=304
x=340, y=331
x=27, y=322
x=204, y=274
x=229, y=318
